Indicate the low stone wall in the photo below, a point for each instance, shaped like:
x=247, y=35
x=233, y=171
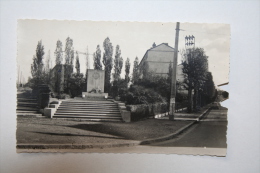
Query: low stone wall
x=146, y=110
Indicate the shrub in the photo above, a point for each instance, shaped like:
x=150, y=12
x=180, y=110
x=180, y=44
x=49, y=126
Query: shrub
x=225, y=94
x=143, y=111
x=140, y=95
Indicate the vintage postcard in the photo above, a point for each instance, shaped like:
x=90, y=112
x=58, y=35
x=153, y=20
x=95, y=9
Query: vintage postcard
x=122, y=87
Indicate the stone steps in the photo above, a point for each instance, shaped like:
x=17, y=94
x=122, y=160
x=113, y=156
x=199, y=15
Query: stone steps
x=26, y=105
x=27, y=108
x=88, y=114
x=88, y=111
x=98, y=110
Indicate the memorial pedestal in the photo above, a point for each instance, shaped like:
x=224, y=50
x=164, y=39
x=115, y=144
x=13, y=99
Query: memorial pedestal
x=86, y=95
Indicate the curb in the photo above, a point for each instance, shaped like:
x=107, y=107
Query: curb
x=173, y=135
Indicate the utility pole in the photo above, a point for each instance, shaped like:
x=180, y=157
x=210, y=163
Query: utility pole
x=174, y=71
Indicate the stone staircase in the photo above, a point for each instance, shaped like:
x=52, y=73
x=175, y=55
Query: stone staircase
x=98, y=110
x=26, y=104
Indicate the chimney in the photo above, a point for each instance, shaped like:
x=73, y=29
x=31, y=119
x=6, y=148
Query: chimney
x=166, y=44
x=154, y=45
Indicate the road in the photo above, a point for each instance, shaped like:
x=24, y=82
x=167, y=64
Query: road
x=210, y=132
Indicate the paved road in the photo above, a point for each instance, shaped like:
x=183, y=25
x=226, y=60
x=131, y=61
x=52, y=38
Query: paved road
x=210, y=132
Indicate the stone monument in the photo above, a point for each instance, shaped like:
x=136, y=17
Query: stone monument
x=95, y=84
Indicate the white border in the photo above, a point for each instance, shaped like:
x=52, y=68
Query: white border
x=243, y=128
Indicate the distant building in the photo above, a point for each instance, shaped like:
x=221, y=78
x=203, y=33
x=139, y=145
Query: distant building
x=157, y=60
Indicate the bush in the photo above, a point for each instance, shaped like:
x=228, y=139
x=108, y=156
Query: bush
x=225, y=94
x=158, y=83
x=63, y=96
x=76, y=84
x=143, y=111
x=140, y=95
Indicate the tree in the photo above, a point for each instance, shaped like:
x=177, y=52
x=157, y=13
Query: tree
x=169, y=74
x=69, y=52
x=47, y=69
x=108, y=62
x=118, y=64
x=77, y=64
x=58, y=53
x=97, y=59
x=195, y=68
x=127, y=70
x=69, y=59
x=208, y=89
x=136, y=74
x=37, y=65
x=76, y=83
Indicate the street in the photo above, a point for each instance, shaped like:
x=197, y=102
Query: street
x=209, y=132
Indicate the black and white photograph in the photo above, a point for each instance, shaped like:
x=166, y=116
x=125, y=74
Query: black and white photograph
x=122, y=87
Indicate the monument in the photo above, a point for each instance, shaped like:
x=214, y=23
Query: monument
x=95, y=84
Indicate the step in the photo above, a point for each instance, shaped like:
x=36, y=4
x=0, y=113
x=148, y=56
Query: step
x=25, y=102
x=87, y=107
x=88, y=114
x=27, y=112
x=85, y=116
x=27, y=105
x=89, y=111
x=26, y=108
x=91, y=119
x=26, y=99
x=87, y=103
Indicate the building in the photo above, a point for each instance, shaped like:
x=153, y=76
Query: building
x=157, y=60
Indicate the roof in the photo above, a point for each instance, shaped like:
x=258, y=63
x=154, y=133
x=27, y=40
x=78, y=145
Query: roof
x=166, y=44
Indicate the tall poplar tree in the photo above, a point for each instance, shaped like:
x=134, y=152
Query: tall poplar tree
x=58, y=53
x=97, y=59
x=108, y=62
x=77, y=64
x=136, y=74
x=37, y=65
x=127, y=70
x=69, y=52
x=118, y=64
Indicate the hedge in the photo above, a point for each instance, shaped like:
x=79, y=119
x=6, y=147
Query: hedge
x=143, y=111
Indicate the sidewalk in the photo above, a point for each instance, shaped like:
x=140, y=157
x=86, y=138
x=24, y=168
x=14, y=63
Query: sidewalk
x=182, y=116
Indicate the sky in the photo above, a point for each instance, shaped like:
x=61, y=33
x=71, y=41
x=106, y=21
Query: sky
x=134, y=39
